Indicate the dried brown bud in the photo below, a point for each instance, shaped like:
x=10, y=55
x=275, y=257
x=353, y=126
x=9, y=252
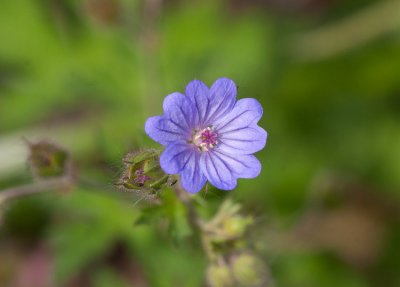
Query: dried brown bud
x=48, y=160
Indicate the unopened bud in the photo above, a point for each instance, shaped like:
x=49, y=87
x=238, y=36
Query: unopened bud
x=249, y=270
x=228, y=223
x=219, y=275
x=235, y=227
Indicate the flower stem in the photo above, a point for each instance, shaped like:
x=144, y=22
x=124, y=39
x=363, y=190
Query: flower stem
x=194, y=221
x=191, y=211
x=33, y=188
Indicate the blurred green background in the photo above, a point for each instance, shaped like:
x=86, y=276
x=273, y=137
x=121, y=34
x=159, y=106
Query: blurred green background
x=86, y=75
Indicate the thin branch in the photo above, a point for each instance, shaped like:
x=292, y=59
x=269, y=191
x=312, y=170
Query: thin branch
x=360, y=28
x=34, y=188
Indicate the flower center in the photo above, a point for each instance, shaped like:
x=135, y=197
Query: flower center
x=205, y=139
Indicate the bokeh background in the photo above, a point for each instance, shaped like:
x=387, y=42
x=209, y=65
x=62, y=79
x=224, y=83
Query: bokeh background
x=86, y=75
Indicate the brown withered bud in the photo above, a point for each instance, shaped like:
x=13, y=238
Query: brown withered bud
x=48, y=160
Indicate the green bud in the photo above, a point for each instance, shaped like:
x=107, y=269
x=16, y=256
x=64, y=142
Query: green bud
x=249, y=270
x=48, y=160
x=219, y=275
x=142, y=172
x=228, y=224
x=235, y=226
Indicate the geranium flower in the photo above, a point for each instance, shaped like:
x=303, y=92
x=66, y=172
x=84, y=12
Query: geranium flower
x=209, y=136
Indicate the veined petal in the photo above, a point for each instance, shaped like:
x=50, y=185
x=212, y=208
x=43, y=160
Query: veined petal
x=163, y=131
x=192, y=177
x=222, y=96
x=246, y=112
x=197, y=92
x=246, y=140
x=175, y=157
x=217, y=172
x=244, y=166
x=184, y=159
x=179, y=109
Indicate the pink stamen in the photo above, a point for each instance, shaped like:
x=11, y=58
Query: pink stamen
x=140, y=177
x=209, y=137
x=205, y=139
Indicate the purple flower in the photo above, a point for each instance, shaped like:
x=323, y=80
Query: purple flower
x=209, y=135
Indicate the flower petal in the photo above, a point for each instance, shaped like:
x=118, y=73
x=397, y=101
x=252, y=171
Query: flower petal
x=246, y=112
x=197, y=92
x=222, y=98
x=184, y=159
x=217, y=172
x=238, y=132
x=179, y=109
x=246, y=140
x=192, y=177
x=244, y=166
x=163, y=131
x=175, y=157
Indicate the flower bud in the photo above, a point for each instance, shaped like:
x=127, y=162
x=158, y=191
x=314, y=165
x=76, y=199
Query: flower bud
x=228, y=223
x=249, y=270
x=219, y=275
x=48, y=160
x=142, y=172
x=235, y=226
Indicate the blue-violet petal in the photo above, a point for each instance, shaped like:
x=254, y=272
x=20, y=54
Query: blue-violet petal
x=197, y=92
x=222, y=98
